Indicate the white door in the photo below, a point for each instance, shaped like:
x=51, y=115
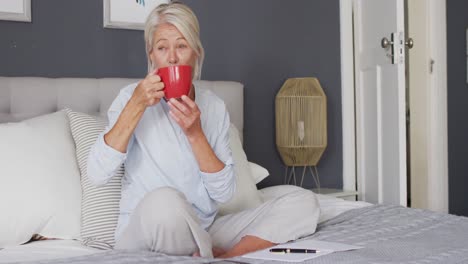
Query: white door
x=380, y=101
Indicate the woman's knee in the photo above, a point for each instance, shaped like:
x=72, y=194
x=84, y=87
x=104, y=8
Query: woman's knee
x=162, y=215
x=301, y=201
x=163, y=207
x=161, y=198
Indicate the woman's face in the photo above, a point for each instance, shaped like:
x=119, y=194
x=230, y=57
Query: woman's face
x=171, y=48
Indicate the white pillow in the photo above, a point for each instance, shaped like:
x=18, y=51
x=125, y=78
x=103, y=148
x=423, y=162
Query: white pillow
x=246, y=195
x=258, y=172
x=40, y=182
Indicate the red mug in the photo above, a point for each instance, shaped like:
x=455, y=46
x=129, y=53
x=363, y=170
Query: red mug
x=177, y=80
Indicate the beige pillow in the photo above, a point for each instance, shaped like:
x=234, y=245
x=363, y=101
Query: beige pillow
x=246, y=195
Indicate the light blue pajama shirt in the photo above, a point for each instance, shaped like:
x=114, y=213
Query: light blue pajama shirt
x=160, y=155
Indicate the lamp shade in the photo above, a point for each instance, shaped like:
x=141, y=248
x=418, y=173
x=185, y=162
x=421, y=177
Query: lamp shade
x=301, y=121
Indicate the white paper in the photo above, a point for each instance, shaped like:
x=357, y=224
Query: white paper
x=322, y=247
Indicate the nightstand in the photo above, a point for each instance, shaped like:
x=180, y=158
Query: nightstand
x=338, y=193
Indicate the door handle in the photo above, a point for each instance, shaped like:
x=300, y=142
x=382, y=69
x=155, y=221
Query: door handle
x=396, y=44
x=385, y=43
x=409, y=43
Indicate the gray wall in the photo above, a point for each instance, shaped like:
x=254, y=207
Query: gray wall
x=260, y=43
x=457, y=24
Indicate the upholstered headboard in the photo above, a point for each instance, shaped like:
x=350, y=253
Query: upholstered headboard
x=26, y=97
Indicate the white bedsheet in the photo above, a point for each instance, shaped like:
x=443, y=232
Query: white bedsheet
x=50, y=249
x=45, y=249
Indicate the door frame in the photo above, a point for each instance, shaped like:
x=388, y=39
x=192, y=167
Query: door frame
x=437, y=153
x=348, y=95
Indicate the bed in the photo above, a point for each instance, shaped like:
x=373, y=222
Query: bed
x=56, y=202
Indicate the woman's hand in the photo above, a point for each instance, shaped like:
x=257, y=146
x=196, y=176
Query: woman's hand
x=149, y=91
x=186, y=113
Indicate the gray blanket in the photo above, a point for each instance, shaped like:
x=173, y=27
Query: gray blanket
x=389, y=234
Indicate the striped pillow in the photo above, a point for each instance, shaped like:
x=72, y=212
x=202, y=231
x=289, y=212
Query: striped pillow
x=99, y=205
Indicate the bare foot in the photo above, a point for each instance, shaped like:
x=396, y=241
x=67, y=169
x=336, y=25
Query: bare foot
x=216, y=252
x=246, y=245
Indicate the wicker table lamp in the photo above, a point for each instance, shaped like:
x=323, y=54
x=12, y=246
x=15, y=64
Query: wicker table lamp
x=301, y=125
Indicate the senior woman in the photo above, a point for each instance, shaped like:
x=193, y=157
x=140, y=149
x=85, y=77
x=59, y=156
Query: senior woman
x=178, y=162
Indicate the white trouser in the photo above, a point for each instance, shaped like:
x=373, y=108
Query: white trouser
x=165, y=222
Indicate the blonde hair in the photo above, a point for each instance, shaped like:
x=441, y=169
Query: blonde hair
x=183, y=18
